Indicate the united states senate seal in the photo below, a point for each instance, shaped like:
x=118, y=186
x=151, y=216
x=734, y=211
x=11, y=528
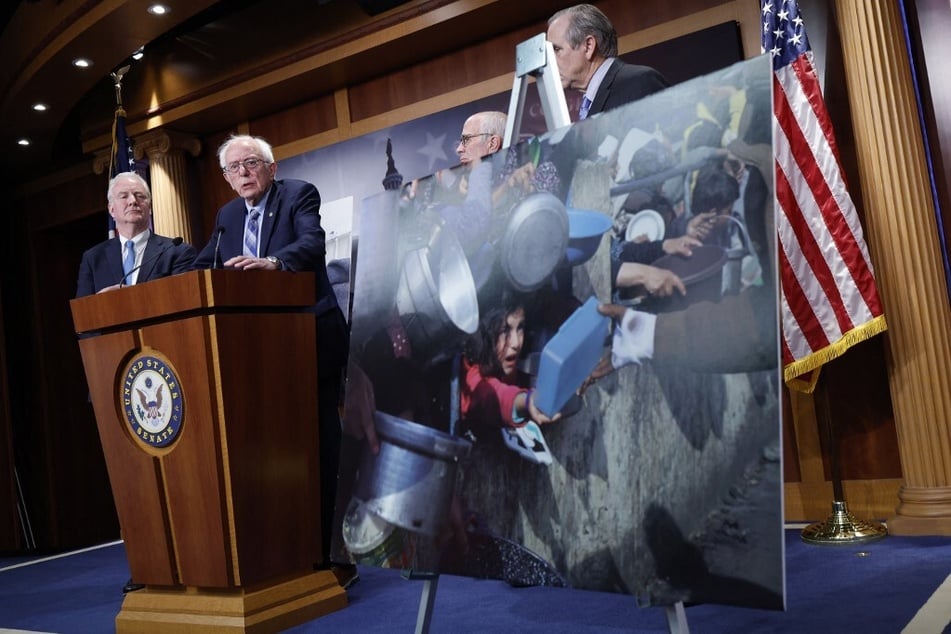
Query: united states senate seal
x=151, y=397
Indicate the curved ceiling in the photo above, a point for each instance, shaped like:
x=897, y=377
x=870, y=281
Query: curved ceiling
x=39, y=43
x=205, y=62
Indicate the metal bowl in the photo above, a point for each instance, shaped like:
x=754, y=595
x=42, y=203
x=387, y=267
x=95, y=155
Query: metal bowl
x=436, y=298
x=534, y=241
x=701, y=273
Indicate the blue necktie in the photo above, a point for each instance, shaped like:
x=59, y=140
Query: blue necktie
x=251, y=234
x=585, y=106
x=128, y=262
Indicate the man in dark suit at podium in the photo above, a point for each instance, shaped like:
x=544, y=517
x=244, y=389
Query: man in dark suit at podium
x=136, y=254
x=275, y=225
x=585, y=45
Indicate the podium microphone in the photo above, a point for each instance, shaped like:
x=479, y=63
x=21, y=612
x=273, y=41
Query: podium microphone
x=216, y=263
x=175, y=242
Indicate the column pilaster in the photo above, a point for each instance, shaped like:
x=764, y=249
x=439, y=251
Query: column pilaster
x=167, y=172
x=902, y=235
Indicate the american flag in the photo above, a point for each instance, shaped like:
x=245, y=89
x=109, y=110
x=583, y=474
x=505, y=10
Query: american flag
x=829, y=301
x=122, y=158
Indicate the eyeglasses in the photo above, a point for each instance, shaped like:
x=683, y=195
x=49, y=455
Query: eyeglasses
x=250, y=164
x=465, y=138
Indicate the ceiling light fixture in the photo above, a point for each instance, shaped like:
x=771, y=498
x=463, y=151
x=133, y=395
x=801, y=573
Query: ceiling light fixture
x=40, y=107
x=158, y=9
x=139, y=53
x=82, y=62
x=23, y=142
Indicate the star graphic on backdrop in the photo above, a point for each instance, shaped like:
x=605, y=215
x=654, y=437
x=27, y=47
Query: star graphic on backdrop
x=433, y=149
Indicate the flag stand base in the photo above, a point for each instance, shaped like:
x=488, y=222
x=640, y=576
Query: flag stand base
x=841, y=528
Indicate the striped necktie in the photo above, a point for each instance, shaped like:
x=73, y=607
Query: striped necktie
x=251, y=234
x=585, y=106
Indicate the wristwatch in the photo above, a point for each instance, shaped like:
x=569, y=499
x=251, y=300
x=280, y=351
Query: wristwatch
x=274, y=260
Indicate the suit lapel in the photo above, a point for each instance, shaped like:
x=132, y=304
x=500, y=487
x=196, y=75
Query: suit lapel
x=114, y=258
x=605, y=88
x=232, y=218
x=269, y=218
x=148, y=264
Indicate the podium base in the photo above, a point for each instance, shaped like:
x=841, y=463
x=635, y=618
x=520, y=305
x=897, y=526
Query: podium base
x=270, y=609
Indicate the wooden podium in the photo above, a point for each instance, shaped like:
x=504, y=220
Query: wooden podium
x=204, y=387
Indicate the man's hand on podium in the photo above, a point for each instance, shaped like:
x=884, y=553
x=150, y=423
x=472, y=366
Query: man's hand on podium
x=248, y=262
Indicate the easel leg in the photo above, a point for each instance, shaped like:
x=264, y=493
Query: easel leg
x=425, y=615
x=677, y=618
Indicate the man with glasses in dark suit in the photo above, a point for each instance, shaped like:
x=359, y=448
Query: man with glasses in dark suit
x=275, y=225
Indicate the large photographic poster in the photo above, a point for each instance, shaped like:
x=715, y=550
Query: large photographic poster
x=569, y=353
x=355, y=168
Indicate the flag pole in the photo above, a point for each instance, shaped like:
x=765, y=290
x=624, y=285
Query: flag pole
x=120, y=153
x=829, y=299
x=841, y=527
x=121, y=159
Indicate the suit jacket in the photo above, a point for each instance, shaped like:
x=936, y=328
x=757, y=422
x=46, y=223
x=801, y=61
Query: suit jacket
x=101, y=266
x=290, y=231
x=625, y=83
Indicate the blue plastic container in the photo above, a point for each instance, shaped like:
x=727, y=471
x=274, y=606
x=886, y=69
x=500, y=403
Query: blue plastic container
x=570, y=356
x=585, y=229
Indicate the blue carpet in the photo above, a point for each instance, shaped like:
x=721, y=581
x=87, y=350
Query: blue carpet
x=877, y=587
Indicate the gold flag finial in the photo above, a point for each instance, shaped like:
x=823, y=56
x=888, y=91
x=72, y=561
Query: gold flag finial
x=117, y=78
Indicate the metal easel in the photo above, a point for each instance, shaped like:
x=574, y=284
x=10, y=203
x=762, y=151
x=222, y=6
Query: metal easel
x=532, y=59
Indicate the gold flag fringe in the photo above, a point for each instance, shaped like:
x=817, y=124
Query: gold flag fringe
x=795, y=373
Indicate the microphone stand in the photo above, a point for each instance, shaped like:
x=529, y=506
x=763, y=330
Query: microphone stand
x=152, y=260
x=216, y=262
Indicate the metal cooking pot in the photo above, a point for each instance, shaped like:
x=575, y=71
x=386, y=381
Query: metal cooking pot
x=436, y=297
x=534, y=241
x=733, y=269
x=701, y=273
x=377, y=275
x=411, y=480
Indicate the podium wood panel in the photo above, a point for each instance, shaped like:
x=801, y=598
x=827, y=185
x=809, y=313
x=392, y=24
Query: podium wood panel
x=134, y=475
x=232, y=505
x=194, y=292
x=195, y=490
x=271, y=438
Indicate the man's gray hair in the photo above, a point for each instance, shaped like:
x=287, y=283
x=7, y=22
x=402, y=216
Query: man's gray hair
x=124, y=175
x=585, y=20
x=493, y=122
x=264, y=148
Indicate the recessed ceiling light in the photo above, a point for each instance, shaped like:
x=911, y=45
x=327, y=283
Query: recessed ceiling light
x=158, y=9
x=82, y=62
x=40, y=107
x=23, y=142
